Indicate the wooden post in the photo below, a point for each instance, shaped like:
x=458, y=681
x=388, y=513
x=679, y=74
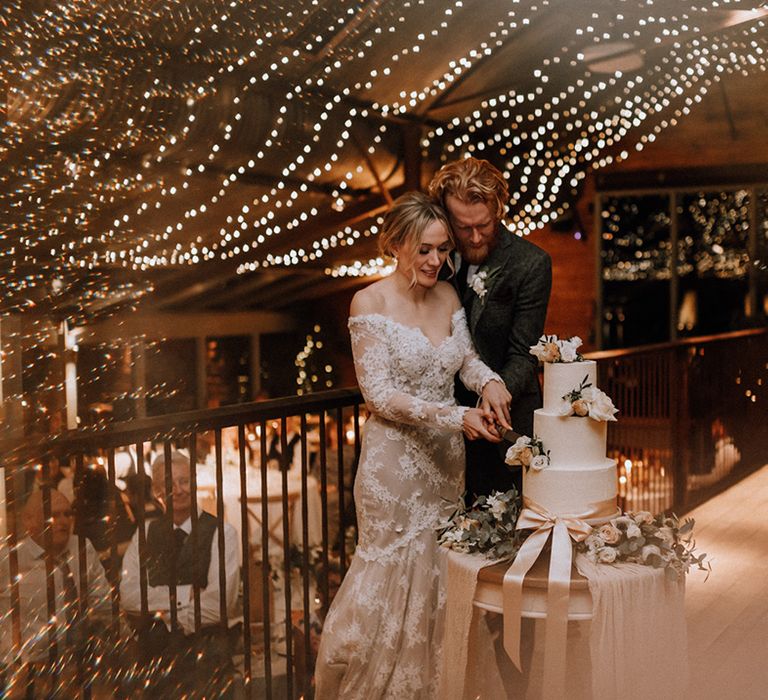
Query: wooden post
x=597, y=234
x=255, y=368
x=201, y=371
x=139, y=378
x=673, y=278
x=753, y=313
x=412, y=155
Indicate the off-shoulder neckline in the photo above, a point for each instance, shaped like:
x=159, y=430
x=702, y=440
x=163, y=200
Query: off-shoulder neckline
x=454, y=316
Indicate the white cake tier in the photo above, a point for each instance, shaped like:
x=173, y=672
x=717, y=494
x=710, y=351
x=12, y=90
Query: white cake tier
x=561, y=378
x=571, y=441
x=589, y=493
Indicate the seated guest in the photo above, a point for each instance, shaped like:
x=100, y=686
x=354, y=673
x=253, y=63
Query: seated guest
x=96, y=497
x=201, y=659
x=72, y=631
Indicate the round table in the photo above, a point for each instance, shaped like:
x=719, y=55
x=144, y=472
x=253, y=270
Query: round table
x=488, y=591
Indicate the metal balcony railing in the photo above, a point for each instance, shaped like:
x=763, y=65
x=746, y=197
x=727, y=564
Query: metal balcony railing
x=691, y=420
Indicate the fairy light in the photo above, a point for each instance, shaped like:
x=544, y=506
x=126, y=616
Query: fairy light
x=312, y=371
x=124, y=193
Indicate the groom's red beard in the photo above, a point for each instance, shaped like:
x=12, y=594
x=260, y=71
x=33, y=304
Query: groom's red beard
x=477, y=255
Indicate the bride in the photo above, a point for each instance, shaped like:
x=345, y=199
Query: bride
x=383, y=633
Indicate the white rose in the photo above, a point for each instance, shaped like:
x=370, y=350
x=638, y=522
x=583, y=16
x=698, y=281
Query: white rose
x=648, y=551
x=538, y=351
x=666, y=535
x=539, y=462
x=633, y=530
x=497, y=506
x=622, y=522
x=601, y=407
x=567, y=352
x=594, y=541
x=565, y=408
x=607, y=555
x=643, y=517
x=478, y=284
x=568, y=349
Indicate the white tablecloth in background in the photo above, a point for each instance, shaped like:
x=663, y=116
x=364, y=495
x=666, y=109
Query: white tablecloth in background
x=206, y=484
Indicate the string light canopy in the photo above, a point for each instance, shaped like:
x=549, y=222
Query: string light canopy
x=175, y=151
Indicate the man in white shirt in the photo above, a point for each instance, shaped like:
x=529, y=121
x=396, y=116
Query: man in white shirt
x=70, y=629
x=173, y=555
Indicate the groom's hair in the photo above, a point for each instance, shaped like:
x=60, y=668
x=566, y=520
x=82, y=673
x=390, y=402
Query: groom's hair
x=472, y=180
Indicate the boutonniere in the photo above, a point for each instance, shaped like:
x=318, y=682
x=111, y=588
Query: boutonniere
x=482, y=280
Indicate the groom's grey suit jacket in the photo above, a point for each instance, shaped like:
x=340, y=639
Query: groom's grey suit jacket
x=504, y=324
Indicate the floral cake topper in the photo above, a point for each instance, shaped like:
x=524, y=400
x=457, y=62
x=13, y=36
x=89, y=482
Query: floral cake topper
x=587, y=400
x=552, y=349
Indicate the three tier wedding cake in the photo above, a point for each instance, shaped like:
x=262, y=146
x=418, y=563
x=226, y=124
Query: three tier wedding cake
x=566, y=471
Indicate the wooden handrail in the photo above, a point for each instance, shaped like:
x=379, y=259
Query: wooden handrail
x=683, y=342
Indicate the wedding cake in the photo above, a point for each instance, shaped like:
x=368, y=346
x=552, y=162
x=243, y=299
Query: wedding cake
x=566, y=471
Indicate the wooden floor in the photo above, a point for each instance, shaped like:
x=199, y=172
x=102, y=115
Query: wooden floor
x=728, y=614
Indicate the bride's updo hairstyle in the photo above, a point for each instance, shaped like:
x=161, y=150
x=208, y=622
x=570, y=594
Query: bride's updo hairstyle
x=405, y=222
x=472, y=180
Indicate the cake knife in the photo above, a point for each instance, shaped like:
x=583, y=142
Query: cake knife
x=510, y=435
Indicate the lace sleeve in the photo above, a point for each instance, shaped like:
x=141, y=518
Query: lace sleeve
x=372, y=367
x=474, y=373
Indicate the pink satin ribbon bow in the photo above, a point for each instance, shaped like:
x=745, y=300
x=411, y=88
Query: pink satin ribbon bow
x=563, y=529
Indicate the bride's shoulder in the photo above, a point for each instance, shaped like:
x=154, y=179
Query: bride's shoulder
x=446, y=294
x=370, y=300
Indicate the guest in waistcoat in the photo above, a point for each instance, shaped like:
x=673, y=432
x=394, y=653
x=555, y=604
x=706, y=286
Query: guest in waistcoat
x=201, y=658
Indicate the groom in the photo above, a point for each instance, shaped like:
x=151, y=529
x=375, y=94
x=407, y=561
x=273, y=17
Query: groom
x=504, y=282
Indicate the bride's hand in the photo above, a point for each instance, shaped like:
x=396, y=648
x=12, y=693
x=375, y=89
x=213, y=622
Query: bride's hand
x=475, y=426
x=494, y=403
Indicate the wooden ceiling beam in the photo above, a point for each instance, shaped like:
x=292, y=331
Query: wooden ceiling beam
x=279, y=289
x=248, y=284
x=322, y=288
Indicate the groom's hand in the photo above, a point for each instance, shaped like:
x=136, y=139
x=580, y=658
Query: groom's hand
x=475, y=427
x=494, y=404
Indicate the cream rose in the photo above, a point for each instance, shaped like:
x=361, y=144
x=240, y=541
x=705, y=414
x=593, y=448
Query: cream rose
x=539, y=462
x=516, y=454
x=580, y=407
x=609, y=533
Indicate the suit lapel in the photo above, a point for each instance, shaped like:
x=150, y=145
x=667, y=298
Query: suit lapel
x=494, y=263
x=466, y=298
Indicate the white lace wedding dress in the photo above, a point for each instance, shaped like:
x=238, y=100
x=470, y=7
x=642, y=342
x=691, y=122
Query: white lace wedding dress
x=383, y=633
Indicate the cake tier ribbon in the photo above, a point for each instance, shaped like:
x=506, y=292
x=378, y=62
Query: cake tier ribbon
x=562, y=529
